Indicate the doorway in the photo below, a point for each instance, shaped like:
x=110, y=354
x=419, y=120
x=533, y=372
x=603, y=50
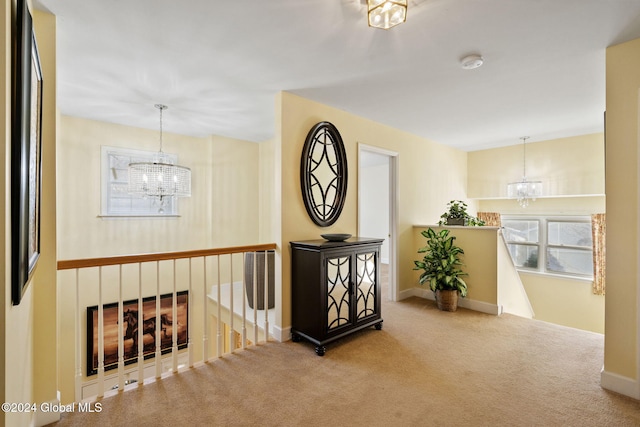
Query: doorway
x=378, y=206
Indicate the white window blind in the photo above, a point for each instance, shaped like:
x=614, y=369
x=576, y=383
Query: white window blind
x=116, y=201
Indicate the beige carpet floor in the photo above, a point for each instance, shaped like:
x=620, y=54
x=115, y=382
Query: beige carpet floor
x=424, y=368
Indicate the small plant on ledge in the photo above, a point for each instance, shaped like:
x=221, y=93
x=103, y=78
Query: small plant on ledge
x=441, y=268
x=456, y=214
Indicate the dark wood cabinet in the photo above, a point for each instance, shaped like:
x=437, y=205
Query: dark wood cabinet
x=335, y=289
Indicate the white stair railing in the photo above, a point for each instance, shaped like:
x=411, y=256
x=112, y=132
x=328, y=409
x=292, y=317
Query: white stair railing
x=111, y=290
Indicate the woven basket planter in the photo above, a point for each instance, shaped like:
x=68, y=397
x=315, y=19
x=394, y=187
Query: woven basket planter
x=447, y=300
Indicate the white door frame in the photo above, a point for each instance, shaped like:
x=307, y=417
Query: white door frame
x=393, y=212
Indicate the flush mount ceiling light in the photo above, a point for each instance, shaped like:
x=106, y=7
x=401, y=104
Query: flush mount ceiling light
x=524, y=190
x=159, y=178
x=472, y=61
x=386, y=13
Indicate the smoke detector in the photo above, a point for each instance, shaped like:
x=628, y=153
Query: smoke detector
x=471, y=61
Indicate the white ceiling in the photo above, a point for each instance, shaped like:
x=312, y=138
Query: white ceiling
x=218, y=64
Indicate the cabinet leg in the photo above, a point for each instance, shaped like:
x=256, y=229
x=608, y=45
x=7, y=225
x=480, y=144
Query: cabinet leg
x=320, y=350
x=296, y=338
x=378, y=326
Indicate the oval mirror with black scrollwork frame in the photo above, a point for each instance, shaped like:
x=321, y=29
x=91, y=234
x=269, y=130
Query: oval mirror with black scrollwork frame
x=323, y=174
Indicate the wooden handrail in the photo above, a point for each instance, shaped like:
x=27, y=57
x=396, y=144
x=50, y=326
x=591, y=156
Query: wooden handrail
x=133, y=259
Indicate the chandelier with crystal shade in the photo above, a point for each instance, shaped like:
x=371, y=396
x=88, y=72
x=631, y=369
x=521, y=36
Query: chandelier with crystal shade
x=159, y=178
x=386, y=13
x=524, y=191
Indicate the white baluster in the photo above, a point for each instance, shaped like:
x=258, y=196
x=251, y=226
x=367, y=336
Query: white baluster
x=255, y=298
x=140, y=330
x=232, y=340
x=78, y=391
x=174, y=322
x=244, y=306
x=266, y=296
x=104, y=324
x=100, y=337
x=219, y=322
x=205, y=337
x=120, y=324
x=158, y=361
x=190, y=318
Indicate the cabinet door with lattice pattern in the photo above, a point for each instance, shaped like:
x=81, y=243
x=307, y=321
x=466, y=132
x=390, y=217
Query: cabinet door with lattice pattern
x=338, y=295
x=366, y=285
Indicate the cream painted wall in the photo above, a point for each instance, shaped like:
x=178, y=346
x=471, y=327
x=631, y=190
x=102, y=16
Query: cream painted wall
x=222, y=211
x=28, y=334
x=430, y=175
x=512, y=295
x=558, y=300
x=493, y=283
x=224, y=193
x=547, y=206
x=566, y=167
x=84, y=234
x=480, y=259
x=621, y=356
x=570, y=167
x=234, y=192
x=266, y=185
x=565, y=301
x=45, y=385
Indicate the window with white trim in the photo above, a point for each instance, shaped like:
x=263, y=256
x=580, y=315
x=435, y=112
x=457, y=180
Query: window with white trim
x=550, y=244
x=116, y=200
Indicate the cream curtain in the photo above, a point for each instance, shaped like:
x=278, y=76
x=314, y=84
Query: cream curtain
x=598, y=231
x=491, y=219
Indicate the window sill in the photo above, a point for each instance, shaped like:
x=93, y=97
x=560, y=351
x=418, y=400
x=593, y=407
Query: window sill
x=137, y=216
x=557, y=276
x=549, y=196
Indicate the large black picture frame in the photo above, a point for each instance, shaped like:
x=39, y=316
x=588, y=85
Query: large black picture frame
x=111, y=323
x=26, y=134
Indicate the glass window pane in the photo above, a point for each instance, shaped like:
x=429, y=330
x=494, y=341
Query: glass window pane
x=569, y=233
x=521, y=231
x=115, y=177
x=573, y=261
x=524, y=255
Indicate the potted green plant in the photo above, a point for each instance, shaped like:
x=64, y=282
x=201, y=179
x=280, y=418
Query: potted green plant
x=441, y=268
x=456, y=214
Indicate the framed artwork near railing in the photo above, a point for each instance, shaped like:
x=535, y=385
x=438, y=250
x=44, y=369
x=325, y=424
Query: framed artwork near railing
x=131, y=323
x=25, y=154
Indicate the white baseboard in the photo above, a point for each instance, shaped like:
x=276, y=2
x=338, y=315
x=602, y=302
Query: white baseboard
x=481, y=306
x=619, y=384
x=281, y=334
x=408, y=293
x=42, y=418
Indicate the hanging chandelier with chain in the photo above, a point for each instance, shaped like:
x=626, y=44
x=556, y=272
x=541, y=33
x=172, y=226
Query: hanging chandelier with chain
x=159, y=178
x=524, y=191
